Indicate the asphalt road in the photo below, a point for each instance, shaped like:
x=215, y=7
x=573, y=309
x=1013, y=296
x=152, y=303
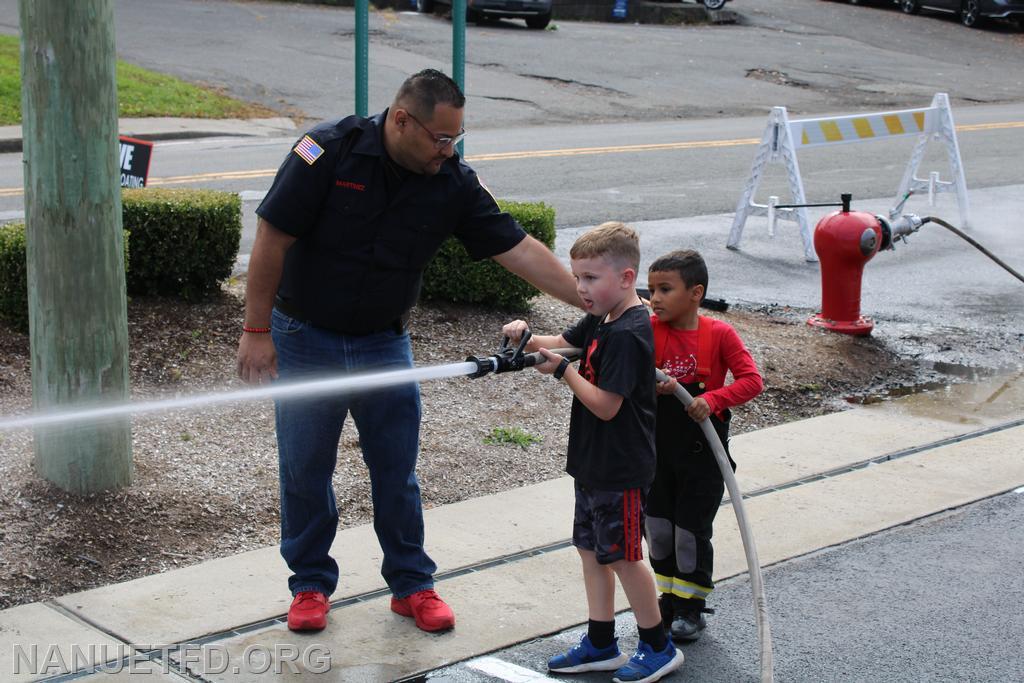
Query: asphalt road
x=809, y=55
x=697, y=167
x=596, y=86
x=935, y=600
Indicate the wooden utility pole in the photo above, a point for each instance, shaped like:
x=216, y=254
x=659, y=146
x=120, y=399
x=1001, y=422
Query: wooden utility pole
x=76, y=284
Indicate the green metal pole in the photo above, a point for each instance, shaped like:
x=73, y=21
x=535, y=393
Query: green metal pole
x=75, y=247
x=459, y=47
x=362, y=56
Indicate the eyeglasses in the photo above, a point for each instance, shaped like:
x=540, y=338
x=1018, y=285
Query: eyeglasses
x=440, y=141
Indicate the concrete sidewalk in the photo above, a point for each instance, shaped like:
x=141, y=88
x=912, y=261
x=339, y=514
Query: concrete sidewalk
x=505, y=563
x=170, y=128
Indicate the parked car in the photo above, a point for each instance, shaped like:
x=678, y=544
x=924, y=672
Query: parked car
x=970, y=12
x=537, y=13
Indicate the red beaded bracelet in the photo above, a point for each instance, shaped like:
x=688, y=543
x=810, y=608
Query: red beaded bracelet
x=256, y=330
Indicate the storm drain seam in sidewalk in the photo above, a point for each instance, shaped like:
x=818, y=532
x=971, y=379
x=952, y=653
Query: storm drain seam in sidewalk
x=125, y=663
x=153, y=655
x=128, y=663
x=844, y=469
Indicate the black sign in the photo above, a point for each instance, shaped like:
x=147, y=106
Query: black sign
x=134, y=156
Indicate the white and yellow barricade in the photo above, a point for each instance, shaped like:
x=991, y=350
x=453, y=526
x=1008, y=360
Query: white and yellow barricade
x=782, y=138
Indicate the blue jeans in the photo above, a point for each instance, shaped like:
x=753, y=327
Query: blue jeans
x=308, y=431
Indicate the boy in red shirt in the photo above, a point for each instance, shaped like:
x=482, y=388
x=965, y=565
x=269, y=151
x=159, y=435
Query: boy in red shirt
x=695, y=351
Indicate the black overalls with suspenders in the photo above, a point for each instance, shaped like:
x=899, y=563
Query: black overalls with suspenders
x=687, y=489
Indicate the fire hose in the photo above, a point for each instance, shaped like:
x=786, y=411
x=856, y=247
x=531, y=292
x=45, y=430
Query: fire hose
x=974, y=243
x=508, y=359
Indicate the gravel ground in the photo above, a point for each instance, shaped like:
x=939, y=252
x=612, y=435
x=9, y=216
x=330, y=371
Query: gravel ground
x=205, y=482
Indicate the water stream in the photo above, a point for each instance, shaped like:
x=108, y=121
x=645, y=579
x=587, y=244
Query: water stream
x=340, y=384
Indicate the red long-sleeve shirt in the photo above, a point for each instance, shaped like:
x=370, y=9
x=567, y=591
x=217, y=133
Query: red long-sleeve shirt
x=675, y=353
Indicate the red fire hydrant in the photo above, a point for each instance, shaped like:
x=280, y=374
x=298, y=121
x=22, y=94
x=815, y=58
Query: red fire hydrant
x=845, y=241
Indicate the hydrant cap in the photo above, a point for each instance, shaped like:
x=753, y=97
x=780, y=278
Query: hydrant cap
x=868, y=242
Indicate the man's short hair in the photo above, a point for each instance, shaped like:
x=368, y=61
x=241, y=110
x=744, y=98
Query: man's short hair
x=612, y=240
x=423, y=91
x=689, y=264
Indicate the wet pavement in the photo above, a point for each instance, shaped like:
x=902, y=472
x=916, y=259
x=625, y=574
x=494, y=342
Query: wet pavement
x=935, y=600
x=934, y=298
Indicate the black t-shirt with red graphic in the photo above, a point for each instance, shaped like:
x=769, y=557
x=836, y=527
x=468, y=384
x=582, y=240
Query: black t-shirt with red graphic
x=616, y=454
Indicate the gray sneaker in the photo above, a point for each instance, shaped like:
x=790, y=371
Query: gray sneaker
x=688, y=626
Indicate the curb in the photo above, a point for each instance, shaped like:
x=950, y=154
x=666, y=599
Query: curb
x=167, y=128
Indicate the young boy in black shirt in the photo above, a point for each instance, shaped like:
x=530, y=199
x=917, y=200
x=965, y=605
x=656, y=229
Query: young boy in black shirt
x=611, y=452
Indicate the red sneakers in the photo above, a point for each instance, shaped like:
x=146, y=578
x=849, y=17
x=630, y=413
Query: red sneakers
x=308, y=611
x=427, y=608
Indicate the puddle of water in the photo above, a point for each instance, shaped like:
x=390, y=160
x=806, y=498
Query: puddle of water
x=971, y=395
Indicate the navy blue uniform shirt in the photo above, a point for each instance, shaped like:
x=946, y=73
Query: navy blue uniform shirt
x=358, y=262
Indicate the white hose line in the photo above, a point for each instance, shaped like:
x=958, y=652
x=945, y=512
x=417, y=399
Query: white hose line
x=750, y=550
x=333, y=385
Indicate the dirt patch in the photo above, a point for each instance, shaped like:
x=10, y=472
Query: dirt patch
x=206, y=482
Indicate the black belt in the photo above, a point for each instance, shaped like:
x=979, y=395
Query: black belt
x=290, y=310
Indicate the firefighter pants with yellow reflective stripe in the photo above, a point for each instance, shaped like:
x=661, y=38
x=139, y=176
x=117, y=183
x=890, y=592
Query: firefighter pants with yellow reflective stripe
x=682, y=504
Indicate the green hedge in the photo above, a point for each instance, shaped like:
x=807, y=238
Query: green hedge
x=184, y=242
x=13, y=276
x=178, y=243
x=454, y=276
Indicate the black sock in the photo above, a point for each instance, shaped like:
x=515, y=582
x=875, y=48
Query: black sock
x=667, y=607
x=601, y=633
x=654, y=636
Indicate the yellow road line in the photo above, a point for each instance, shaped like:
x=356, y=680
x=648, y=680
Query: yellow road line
x=508, y=156
x=221, y=175
x=991, y=126
x=582, y=151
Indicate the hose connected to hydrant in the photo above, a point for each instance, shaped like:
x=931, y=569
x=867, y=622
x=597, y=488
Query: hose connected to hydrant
x=899, y=228
x=508, y=359
x=974, y=243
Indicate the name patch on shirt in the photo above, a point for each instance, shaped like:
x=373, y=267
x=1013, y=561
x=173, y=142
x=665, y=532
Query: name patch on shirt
x=358, y=187
x=308, y=150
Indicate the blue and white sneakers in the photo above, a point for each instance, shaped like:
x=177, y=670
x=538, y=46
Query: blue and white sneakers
x=585, y=657
x=647, y=666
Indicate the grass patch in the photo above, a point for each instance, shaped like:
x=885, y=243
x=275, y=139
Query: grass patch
x=140, y=93
x=512, y=435
x=10, y=81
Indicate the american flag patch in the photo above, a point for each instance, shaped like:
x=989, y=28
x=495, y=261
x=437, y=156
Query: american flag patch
x=308, y=150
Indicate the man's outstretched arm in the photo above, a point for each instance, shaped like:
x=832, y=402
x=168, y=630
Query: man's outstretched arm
x=535, y=263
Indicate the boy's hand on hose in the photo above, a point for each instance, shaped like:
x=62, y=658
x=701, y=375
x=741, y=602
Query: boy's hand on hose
x=667, y=387
x=550, y=363
x=699, y=409
x=515, y=330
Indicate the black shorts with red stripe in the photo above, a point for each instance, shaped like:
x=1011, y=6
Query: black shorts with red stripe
x=610, y=523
